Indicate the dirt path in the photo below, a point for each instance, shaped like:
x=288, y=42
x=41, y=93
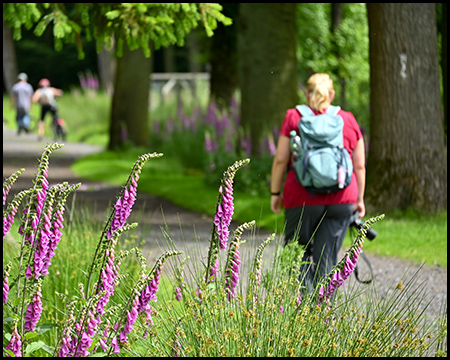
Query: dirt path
x=184, y=226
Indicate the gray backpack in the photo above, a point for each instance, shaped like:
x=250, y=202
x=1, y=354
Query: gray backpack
x=320, y=160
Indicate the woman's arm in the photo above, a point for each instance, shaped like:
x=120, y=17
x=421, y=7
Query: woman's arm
x=280, y=162
x=359, y=167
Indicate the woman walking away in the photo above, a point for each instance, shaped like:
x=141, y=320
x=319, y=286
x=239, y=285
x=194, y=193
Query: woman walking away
x=318, y=221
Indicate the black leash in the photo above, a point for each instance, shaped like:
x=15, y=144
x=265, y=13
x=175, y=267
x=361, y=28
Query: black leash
x=370, y=267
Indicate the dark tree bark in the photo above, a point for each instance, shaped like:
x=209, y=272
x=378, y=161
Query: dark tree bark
x=130, y=102
x=267, y=66
x=444, y=62
x=10, y=71
x=407, y=164
x=223, y=59
x=336, y=19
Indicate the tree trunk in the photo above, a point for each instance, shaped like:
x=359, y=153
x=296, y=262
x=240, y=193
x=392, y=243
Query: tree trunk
x=130, y=102
x=336, y=19
x=106, y=67
x=407, y=164
x=223, y=59
x=10, y=71
x=444, y=63
x=267, y=40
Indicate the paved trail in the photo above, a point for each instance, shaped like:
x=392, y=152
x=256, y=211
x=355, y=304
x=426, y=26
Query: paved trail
x=183, y=225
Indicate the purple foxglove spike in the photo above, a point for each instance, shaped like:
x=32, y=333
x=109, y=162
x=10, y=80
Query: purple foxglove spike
x=33, y=313
x=299, y=299
x=5, y=290
x=15, y=344
x=178, y=294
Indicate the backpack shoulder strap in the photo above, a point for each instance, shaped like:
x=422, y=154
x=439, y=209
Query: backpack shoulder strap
x=333, y=110
x=304, y=110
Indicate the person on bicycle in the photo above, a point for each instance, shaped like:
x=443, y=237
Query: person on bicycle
x=45, y=96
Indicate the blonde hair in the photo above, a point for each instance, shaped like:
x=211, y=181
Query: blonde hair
x=319, y=87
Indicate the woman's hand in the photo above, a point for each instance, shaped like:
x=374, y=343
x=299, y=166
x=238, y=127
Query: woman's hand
x=359, y=206
x=276, y=203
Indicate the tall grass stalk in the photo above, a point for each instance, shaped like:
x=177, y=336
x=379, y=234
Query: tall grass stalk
x=228, y=305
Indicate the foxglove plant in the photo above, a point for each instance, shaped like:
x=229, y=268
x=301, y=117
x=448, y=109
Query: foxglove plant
x=15, y=344
x=77, y=333
x=42, y=239
x=34, y=310
x=32, y=213
x=147, y=288
x=232, y=269
x=345, y=267
x=119, y=215
x=87, y=335
x=57, y=221
x=9, y=182
x=6, y=271
x=11, y=210
x=222, y=218
x=256, y=271
x=179, y=279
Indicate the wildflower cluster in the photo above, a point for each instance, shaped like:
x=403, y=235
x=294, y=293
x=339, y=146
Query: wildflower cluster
x=145, y=291
x=41, y=228
x=216, y=139
x=270, y=319
x=345, y=267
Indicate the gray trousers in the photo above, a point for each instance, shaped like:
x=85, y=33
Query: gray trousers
x=321, y=229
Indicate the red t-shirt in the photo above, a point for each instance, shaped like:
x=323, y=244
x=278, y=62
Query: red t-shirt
x=294, y=194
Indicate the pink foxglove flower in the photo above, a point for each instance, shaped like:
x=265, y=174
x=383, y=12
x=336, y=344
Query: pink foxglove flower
x=5, y=290
x=232, y=269
x=346, y=266
x=57, y=221
x=10, y=213
x=86, y=336
x=178, y=294
x=9, y=182
x=15, y=344
x=141, y=303
x=149, y=292
x=6, y=271
x=33, y=211
x=131, y=319
x=34, y=311
x=224, y=213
